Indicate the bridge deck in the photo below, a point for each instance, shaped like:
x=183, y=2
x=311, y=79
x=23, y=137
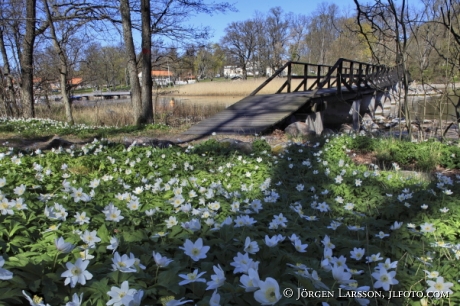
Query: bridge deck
x=255, y=114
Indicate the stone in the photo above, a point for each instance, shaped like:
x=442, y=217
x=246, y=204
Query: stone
x=53, y=143
x=244, y=147
x=327, y=132
x=147, y=142
x=298, y=129
x=346, y=129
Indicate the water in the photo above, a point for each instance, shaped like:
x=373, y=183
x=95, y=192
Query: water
x=429, y=107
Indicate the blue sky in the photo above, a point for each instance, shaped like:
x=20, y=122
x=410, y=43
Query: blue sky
x=247, y=8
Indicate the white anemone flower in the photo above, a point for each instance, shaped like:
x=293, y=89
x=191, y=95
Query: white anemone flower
x=161, y=261
x=117, y=294
x=192, y=278
x=4, y=274
x=215, y=299
x=123, y=263
x=76, y=301
x=251, y=247
x=269, y=292
x=76, y=273
x=35, y=301
x=251, y=281
x=218, y=279
x=384, y=279
x=439, y=286
x=62, y=246
x=113, y=244
x=195, y=250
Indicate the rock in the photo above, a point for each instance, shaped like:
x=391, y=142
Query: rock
x=299, y=128
x=327, y=132
x=244, y=147
x=346, y=129
x=53, y=143
x=147, y=142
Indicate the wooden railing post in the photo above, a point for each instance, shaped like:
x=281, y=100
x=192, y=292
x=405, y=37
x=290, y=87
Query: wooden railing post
x=305, y=77
x=289, y=78
x=339, y=77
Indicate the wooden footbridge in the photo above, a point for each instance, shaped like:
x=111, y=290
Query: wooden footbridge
x=345, y=81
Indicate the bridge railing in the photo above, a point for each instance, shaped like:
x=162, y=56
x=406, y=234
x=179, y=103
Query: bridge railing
x=352, y=75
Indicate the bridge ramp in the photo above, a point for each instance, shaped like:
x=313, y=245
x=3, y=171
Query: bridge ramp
x=253, y=114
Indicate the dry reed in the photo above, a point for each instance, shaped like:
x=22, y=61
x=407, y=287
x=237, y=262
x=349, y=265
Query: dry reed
x=234, y=88
x=120, y=114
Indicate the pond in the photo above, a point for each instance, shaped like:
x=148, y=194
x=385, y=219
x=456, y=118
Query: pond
x=429, y=107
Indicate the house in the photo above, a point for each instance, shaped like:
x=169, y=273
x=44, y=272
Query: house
x=159, y=77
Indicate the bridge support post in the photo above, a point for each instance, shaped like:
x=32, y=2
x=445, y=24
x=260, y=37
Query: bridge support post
x=354, y=111
x=379, y=103
x=315, y=122
x=368, y=104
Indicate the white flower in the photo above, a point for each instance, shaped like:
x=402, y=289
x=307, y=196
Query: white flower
x=177, y=302
x=4, y=274
x=215, y=299
x=251, y=247
x=427, y=228
x=382, y=235
x=76, y=301
x=117, y=294
x=113, y=244
x=62, y=246
x=357, y=253
x=161, y=261
x=90, y=238
x=123, y=263
x=301, y=248
x=196, y=250
x=218, y=279
x=339, y=274
x=444, y=210
x=387, y=265
x=424, y=206
x=251, y=281
x=271, y=242
x=439, y=286
x=349, y=206
x=192, y=278
x=373, y=258
x=384, y=279
x=36, y=301
x=81, y=218
x=76, y=273
x=269, y=292
x=432, y=274
x=396, y=225
x=327, y=242
x=112, y=213
x=243, y=263
x=171, y=222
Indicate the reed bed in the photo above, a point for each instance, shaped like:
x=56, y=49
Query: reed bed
x=233, y=88
x=177, y=114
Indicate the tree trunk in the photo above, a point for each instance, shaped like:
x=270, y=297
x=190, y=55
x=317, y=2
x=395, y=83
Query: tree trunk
x=136, y=100
x=147, y=105
x=63, y=70
x=26, y=61
x=9, y=101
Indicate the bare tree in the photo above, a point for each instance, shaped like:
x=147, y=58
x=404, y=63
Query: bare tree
x=240, y=41
x=277, y=33
x=390, y=23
